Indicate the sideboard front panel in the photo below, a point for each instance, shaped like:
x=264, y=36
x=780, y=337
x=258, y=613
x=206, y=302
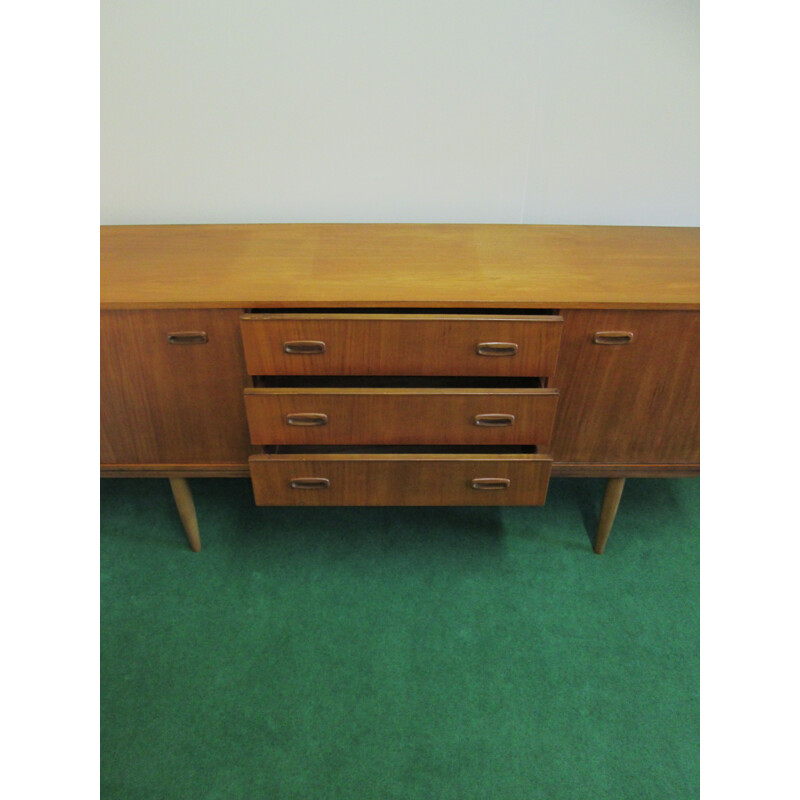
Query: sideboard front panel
x=171, y=388
x=629, y=385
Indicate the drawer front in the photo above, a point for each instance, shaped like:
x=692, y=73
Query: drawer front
x=400, y=416
x=394, y=480
x=400, y=344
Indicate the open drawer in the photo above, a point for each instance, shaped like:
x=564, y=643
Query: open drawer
x=401, y=344
x=380, y=415
x=414, y=477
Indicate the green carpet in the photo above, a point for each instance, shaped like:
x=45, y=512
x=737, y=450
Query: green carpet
x=402, y=653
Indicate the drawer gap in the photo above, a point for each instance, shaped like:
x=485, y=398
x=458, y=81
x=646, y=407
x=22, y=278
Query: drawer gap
x=439, y=310
x=392, y=382
x=287, y=449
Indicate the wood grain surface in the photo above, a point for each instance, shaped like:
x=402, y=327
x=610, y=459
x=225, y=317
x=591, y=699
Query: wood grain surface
x=632, y=403
x=368, y=480
x=374, y=265
x=163, y=403
x=398, y=416
x=394, y=344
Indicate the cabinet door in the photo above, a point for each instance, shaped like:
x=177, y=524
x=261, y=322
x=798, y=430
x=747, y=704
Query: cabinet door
x=167, y=403
x=635, y=402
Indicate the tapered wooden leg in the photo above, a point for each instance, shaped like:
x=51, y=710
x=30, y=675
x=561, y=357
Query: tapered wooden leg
x=183, y=500
x=611, y=499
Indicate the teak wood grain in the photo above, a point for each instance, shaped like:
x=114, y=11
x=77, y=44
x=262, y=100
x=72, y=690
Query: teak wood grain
x=625, y=379
x=244, y=266
x=400, y=480
x=392, y=344
x=164, y=403
x=633, y=403
x=401, y=416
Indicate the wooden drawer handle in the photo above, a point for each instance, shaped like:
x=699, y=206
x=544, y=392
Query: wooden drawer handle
x=494, y=420
x=309, y=483
x=613, y=337
x=497, y=349
x=187, y=337
x=303, y=348
x=306, y=420
x=491, y=483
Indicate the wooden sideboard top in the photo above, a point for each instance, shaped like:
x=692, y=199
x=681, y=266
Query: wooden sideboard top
x=399, y=265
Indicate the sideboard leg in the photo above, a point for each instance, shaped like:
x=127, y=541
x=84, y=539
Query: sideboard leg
x=183, y=500
x=611, y=499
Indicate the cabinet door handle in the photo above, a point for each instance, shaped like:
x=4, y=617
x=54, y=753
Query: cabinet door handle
x=497, y=349
x=490, y=483
x=494, y=420
x=309, y=483
x=303, y=348
x=187, y=337
x=613, y=337
x=306, y=420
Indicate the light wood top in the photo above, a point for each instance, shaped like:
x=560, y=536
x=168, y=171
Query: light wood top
x=399, y=265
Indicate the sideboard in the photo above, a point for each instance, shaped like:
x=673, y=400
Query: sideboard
x=397, y=364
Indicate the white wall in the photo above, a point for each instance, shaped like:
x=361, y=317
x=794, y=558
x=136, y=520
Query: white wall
x=579, y=111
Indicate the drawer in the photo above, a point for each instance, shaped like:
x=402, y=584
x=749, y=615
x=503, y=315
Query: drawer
x=395, y=416
x=400, y=344
x=394, y=479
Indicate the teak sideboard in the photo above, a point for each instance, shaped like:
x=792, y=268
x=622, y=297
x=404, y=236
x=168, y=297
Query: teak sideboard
x=396, y=364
